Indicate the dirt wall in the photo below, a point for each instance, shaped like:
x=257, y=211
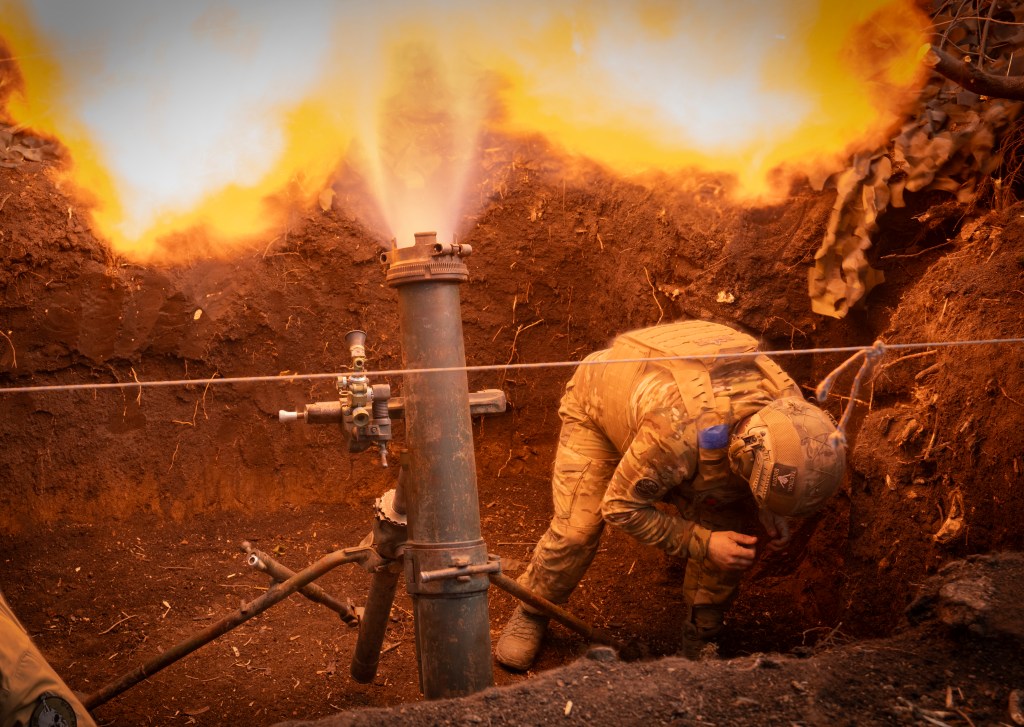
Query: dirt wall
x=566, y=256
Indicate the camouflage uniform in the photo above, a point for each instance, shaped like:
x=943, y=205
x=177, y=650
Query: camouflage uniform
x=629, y=440
x=31, y=693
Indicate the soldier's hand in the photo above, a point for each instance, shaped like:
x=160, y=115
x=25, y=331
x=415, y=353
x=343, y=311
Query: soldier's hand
x=730, y=550
x=777, y=527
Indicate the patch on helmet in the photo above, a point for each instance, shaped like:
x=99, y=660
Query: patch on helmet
x=784, y=479
x=53, y=711
x=759, y=477
x=646, y=488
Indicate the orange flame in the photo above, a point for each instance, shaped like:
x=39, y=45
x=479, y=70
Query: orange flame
x=676, y=85
x=209, y=123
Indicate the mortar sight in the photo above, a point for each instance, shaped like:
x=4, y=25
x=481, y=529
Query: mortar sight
x=360, y=416
x=356, y=342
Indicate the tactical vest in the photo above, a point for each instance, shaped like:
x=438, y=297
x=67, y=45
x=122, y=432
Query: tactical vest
x=711, y=344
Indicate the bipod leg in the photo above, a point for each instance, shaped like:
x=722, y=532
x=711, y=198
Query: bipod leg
x=559, y=614
x=388, y=540
x=274, y=594
x=262, y=562
x=374, y=623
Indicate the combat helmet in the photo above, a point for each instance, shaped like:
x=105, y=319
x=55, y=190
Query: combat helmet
x=795, y=462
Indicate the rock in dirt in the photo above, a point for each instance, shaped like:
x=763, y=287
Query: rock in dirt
x=602, y=653
x=983, y=595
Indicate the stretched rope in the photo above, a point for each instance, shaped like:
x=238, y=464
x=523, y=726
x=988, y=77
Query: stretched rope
x=292, y=378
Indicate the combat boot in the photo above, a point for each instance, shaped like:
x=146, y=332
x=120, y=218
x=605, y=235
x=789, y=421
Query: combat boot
x=521, y=638
x=702, y=625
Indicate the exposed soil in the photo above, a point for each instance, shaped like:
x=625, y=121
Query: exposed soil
x=121, y=513
x=953, y=668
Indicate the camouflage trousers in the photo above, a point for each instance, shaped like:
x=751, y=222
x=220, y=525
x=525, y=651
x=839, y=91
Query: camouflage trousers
x=29, y=688
x=584, y=463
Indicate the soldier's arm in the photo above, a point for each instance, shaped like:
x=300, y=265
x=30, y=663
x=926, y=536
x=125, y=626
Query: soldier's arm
x=662, y=454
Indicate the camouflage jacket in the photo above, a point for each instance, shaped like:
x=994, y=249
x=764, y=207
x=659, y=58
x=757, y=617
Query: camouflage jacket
x=642, y=411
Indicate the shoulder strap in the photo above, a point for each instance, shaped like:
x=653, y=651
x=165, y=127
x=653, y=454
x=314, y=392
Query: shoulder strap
x=778, y=380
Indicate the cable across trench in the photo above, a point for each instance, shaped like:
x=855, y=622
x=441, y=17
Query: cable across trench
x=876, y=348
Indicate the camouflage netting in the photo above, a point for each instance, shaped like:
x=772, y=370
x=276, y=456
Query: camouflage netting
x=951, y=145
x=17, y=147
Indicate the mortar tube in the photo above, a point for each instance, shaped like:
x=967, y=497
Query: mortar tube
x=453, y=638
x=264, y=563
x=274, y=594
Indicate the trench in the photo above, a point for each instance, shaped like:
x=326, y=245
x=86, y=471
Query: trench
x=122, y=511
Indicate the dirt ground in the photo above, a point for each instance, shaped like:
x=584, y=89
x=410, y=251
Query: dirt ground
x=951, y=667
x=121, y=512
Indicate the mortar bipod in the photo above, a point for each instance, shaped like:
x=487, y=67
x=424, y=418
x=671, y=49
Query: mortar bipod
x=387, y=540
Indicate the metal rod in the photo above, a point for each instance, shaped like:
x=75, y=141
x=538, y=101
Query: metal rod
x=487, y=401
x=264, y=563
x=458, y=572
x=556, y=612
x=374, y=624
x=275, y=594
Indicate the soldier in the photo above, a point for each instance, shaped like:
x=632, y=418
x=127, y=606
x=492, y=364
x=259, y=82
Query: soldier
x=717, y=436
x=31, y=693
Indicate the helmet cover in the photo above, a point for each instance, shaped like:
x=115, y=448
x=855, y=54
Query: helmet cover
x=796, y=463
